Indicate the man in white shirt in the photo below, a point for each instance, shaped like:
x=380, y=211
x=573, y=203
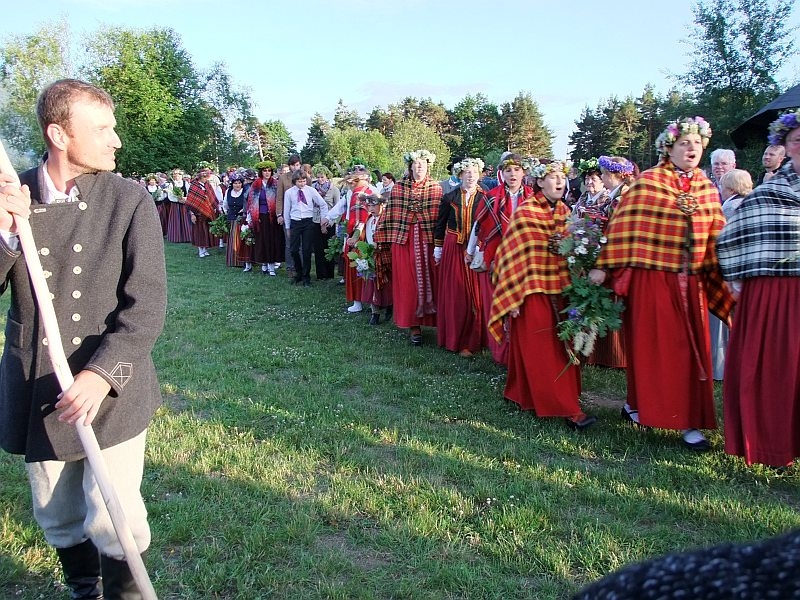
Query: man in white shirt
x=298, y=218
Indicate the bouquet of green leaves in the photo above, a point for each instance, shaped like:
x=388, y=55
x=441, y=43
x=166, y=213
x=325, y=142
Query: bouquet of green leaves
x=334, y=249
x=219, y=227
x=592, y=310
x=362, y=257
x=246, y=235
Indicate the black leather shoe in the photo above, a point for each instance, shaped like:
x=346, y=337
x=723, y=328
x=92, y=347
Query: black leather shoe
x=118, y=580
x=374, y=319
x=81, y=566
x=580, y=422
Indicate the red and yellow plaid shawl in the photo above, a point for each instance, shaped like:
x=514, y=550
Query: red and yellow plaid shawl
x=524, y=264
x=410, y=202
x=649, y=231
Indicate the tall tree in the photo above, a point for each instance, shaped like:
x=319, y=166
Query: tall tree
x=380, y=120
x=477, y=123
x=738, y=49
x=344, y=117
x=524, y=128
x=412, y=134
x=369, y=146
x=314, y=150
x=162, y=118
x=277, y=141
x=27, y=64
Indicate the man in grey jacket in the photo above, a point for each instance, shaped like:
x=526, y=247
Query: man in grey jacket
x=101, y=248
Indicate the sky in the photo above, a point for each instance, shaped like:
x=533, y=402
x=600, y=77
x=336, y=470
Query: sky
x=297, y=59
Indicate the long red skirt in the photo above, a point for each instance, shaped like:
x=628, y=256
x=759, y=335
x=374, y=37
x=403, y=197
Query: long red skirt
x=201, y=235
x=458, y=307
x=609, y=351
x=353, y=284
x=379, y=298
x=499, y=350
x=540, y=375
x=761, y=389
x=179, y=225
x=669, y=352
x=406, y=281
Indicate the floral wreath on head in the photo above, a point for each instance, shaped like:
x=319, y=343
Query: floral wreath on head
x=587, y=166
x=466, y=163
x=525, y=164
x=780, y=127
x=150, y=176
x=611, y=166
x=676, y=129
x=203, y=165
x=264, y=164
x=410, y=157
x=541, y=170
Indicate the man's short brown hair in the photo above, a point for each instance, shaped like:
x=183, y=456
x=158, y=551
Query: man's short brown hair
x=53, y=105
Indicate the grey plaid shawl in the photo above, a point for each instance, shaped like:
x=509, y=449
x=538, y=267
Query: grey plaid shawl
x=762, y=239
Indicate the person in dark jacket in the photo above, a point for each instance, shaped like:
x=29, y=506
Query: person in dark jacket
x=102, y=253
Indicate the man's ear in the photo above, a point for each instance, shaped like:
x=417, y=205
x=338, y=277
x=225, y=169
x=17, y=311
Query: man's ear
x=57, y=136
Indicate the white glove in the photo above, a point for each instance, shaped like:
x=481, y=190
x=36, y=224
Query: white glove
x=437, y=253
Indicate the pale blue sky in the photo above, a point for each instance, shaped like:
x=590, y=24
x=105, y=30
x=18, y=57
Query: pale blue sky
x=300, y=58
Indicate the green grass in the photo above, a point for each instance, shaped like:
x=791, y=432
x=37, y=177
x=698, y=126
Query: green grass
x=303, y=454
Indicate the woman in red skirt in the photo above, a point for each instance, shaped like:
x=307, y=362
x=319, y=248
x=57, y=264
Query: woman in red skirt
x=530, y=276
x=760, y=258
x=408, y=225
x=458, y=301
x=660, y=251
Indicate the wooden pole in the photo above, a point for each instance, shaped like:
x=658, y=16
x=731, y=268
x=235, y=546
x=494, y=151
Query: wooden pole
x=65, y=379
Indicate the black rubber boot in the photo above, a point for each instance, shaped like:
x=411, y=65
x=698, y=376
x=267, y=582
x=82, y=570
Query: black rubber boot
x=118, y=583
x=81, y=565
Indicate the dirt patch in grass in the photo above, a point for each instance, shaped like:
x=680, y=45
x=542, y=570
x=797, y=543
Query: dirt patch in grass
x=363, y=558
x=602, y=400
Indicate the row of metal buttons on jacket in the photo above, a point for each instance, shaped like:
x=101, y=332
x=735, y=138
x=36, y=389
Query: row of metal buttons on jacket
x=75, y=294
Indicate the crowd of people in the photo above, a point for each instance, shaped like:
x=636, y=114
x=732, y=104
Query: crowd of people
x=477, y=256
x=481, y=260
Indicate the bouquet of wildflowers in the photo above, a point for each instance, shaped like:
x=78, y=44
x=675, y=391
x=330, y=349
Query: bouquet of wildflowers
x=592, y=310
x=246, y=235
x=362, y=257
x=219, y=227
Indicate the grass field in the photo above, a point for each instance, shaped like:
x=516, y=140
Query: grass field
x=303, y=454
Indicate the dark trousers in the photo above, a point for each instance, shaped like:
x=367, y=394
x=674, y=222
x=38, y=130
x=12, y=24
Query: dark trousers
x=325, y=267
x=302, y=240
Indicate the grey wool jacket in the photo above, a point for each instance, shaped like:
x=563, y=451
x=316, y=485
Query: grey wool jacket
x=103, y=257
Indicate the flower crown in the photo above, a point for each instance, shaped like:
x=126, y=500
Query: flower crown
x=676, y=129
x=611, y=166
x=525, y=163
x=585, y=166
x=541, y=170
x=264, y=164
x=780, y=128
x=410, y=157
x=204, y=164
x=466, y=164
